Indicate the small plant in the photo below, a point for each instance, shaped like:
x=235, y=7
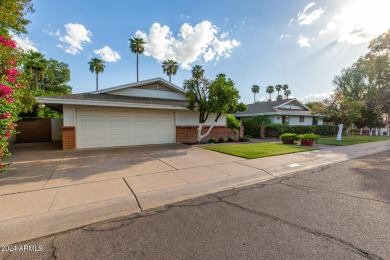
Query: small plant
x=245, y=138
x=308, y=139
x=230, y=139
x=288, y=138
x=212, y=140
x=221, y=140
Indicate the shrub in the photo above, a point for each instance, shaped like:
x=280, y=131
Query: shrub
x=245, y=138
x=233, y=123
x=213, y=140
x=230, y=139
x=276, y=130
x=252, y=125
x=221, y=140
x=288, y=137
x=308, y=137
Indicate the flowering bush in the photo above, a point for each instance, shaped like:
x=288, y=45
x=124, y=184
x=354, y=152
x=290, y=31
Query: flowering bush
x=10, y=82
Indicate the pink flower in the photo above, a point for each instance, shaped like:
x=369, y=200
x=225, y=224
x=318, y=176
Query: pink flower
x=19, y=85
x=7, y=134
x=5, y=91
x=11, y=100
x=5, y=115
x=11, y=79
x=12, y=72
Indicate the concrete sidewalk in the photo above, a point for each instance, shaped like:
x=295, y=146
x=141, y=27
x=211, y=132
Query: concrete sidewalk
x=56, y=200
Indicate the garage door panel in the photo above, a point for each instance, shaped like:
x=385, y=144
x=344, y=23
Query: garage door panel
x=119, y=127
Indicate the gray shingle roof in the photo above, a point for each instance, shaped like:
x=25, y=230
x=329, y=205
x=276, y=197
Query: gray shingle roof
x=263, y=107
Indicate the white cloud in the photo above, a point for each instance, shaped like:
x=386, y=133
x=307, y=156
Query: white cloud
x=191, y=44
x=304, y=18
x=303, y=41
x=285, y=36
x=24, y=43
x=107, y=54
x=75, y=38
x=359, y=22
x=186, y=16
x=291, y=21
x=315, y=97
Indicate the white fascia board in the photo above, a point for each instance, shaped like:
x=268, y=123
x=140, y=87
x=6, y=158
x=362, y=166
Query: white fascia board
x=305, y=113
x=105, y=103
x=140, y=83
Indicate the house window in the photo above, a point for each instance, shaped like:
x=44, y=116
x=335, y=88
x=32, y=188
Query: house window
x=285, y=120
x=315, y=120
x=301, y=119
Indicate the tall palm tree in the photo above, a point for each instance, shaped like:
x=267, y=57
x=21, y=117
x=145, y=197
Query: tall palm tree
x=255, y=90
x=36, y=64
x=279, y=97
x=170, y=67
x=287, y=93
x=137, y=46
x=96, y=66
x=270, y=90
x=197, y=72
x=278, y=88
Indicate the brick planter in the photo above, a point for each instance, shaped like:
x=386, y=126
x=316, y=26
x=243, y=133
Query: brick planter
x=307, y=143
x=68, y=137
x=288, y=142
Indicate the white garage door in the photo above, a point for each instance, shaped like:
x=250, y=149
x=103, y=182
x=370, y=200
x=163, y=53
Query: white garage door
x=121, y=127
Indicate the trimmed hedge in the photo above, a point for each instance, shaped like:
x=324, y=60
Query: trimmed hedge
x=252, y=125
x=276, y=130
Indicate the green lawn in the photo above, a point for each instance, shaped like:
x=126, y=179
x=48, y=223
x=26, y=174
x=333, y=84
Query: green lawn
x=352, y=139
x=258, y=150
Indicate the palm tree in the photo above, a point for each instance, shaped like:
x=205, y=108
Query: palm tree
x=270, y=90
x=170, y=67
x=197, y=72
x=279, y=97
x=96, y=66
x=255, y=90
x=137, y=47
x=36, y=64
x=278, y=88
x=287, y=93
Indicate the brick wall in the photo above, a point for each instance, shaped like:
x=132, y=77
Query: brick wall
x=68, y=137
x=33, y=130
x=188, y=134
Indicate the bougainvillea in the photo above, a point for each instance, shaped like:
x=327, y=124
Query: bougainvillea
x=10, y=82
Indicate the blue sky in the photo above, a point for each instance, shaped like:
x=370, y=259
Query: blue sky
x=300, y=43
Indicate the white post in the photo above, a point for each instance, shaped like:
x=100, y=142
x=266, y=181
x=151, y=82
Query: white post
x=339, y=134
x=376, y=131
x=388, y=131
x=361, y=131
x=382, y=130
x=370, y=131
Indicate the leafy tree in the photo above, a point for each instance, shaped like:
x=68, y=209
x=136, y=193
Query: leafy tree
x=270, y=90
x=170, y=67
x=233, y=123
x=137, y=46
x=56, y=77
x=96, y=66
x=255, y=90
x=36, y=65
x=279, y=97
x=208, y=97
x=12, y=16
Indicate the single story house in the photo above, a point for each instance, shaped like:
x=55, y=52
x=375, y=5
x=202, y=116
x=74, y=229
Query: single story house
x=147, y=112
x=288, y=112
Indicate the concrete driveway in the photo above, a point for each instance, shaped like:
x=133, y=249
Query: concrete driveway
x=44, y=165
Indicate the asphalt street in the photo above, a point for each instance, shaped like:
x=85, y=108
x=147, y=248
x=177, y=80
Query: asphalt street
x=341, y=211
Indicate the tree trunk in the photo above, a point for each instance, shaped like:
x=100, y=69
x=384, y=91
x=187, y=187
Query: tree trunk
x=97, y=81
x=36, y=79
x=361, y=131
x=137, y=66
x=170, y=78
x=200, y=136
x=339, y=134
x=370, y=131
x=254, y=97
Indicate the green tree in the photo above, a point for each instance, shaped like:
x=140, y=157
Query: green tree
x=287, y=93
x=56, y=78
x=269, y=90
x=279, y=97
x=233, y=123
x=12, y=16
x=255, y=90
x=278, y=88
x=208, y=97
x=137, y=46
x=36, y=65
x=170, y=67
x=96, y=66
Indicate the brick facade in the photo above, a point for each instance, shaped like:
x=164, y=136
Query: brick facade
x=68, y=137
x=33, y=130
x=188, y=134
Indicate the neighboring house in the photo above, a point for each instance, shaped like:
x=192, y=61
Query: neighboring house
x=288, y=112
x=147, y=112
